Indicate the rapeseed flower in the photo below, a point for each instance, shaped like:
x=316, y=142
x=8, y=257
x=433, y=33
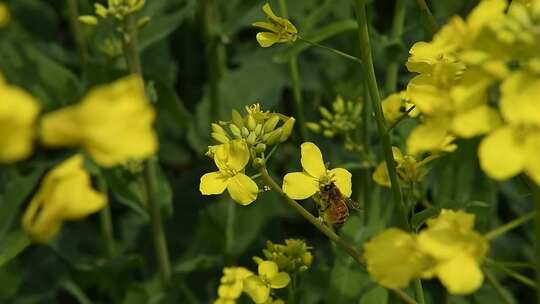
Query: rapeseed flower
x=258, y=287
x=65, y=193
x=279, y=30
x=448, y=248
x=396, y=105
x=231, y=159
x=112, y=122
x=18, y=114
x=514, y=147
x=301, y=185
x=231, y=284
x=291, y=257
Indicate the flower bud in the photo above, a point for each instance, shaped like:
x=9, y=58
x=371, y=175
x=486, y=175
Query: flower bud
x=313, y=127
x=220, y=137
x=287, y=129
x=142, y=22
x=328, y=133
x=235, y=131
x=251, y=123
x=252, y=137
x=218, y=129
x=338, y=105
x=325, y=113
x=258, y=162
x=237, y=119
x=271, y=124
x=88, y=20
x=260, y=147
x=258, y=129
x=273, y=137
x=245, y=132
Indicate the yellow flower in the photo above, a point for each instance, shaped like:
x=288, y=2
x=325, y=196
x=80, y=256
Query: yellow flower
x=113, y=123
x=280, y=30
x=258, y=287
x=395, y=106
x=5, y=15
x=232, y=283
x=18, y=113
x=65, y=194
x=393, y=259
x=408, y=168
x=514, y=147
x=301, y=185
x=457, y=251
x=231, y=158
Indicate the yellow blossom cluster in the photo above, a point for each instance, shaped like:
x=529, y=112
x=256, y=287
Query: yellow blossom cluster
x=494, y=48
x=293, y=256
x=449, y=249
x=248, y=137
x=278, y=30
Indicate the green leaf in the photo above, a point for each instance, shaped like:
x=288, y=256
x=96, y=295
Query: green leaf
x=421, y=217
x=160, y=27
x=319, y=35
x=11, y=245
x=376, y=295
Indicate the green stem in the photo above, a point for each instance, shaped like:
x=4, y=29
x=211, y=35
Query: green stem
x=332, y=50
x=290, y=289
x=498, y=287
x=106, y=221
x=510, y=225
x=392, y=70
x=517, y=276
x=418, y=291
x=73, y=9
x=369, y=76
x=229, y=228
x=355, y=254
x=401, y=118
x=214, y=50
x=296, y=85
x=364, y=195
x=429, y=21
x=150, y=180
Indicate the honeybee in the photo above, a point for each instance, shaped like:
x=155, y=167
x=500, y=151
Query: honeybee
x=333, y=205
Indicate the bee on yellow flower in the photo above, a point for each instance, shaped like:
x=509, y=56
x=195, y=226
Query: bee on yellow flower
x=278, y=30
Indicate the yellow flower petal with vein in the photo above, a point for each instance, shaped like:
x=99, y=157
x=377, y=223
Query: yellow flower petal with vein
x=213, y=183
x=280, y=280
x=461, y=275
x=256, y=289
x=430, y=136
x=242, y=189
x=299, y=185
x=312, y=160
x=342, y=179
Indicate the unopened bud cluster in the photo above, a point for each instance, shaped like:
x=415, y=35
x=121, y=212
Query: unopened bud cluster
x=344, y=118
x=293, y=256
x=258, y=128
x=118, y=10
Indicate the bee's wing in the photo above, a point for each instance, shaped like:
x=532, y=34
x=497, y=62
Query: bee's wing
x=353, y=204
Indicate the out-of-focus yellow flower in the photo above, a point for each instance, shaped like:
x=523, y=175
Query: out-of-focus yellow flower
x=448, y=248
x=393, y=258
x=232, y=284
x=514, y=147
x=231, y=158
x=395, y=106
x=65, y=194
x=280, y=30
x=18, y=113
x=113, y=123
x=301, y=185
x=409, y=169
x=258, y=287
x=457, y=251
x=5, y=15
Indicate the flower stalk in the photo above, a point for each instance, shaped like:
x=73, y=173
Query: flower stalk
x=495, y=233
x=106, y=222
x=150, y=180
x=332, y=50
x=73, y=10
x=369, y=76
x=430, y=23
x=392, y=69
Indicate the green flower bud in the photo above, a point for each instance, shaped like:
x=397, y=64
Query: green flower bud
x=100, y=10
x=218, y=129
x=88, y=20
x=142, y=22
x=287, y=129
x=260, y=147
x=273, y=137
x=237, y=119
x=326, y=124
x=252, y=138
x=325, y=113
x=258, y=162
x=220, y=137
x=313, y=127
x=251, y=122
x=271, y=124
x=245, y=132
x=235, y=131
x=338, y=105
x=328, y=133
x=258, y=129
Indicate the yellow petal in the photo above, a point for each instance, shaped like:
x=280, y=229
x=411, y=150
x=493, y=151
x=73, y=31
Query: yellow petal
x=429, y=136
x=280, y=280
x=266, y=39
x=479, y=120
x=213, y=183
x=41, y=223
x=299, y=185
x=238, y=155
x=532, y=165
x=256, y=289
x=461, y=274
x=61, y=128
x=312, y=160
x=380, y=175
x=268, y=269
x=519, y=99
x=242, y=189
x=342, y=179
x=501, y=154
x=267, y=26
x=268, y=11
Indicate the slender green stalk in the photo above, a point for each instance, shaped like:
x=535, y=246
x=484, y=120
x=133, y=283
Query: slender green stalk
x=106, y=221
x=517, y=276
x=510, y=225
x=392, y=70
x=73, y=9
x=296, y=85
x=355, y=254
x=369, y=76
x=214, y=50
x=418, y=291
x=364, y=195
x=401, y=118
x=429, y=20
x=229, y=227
x=150, y=180
x=498, y=287
x=332, y=50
